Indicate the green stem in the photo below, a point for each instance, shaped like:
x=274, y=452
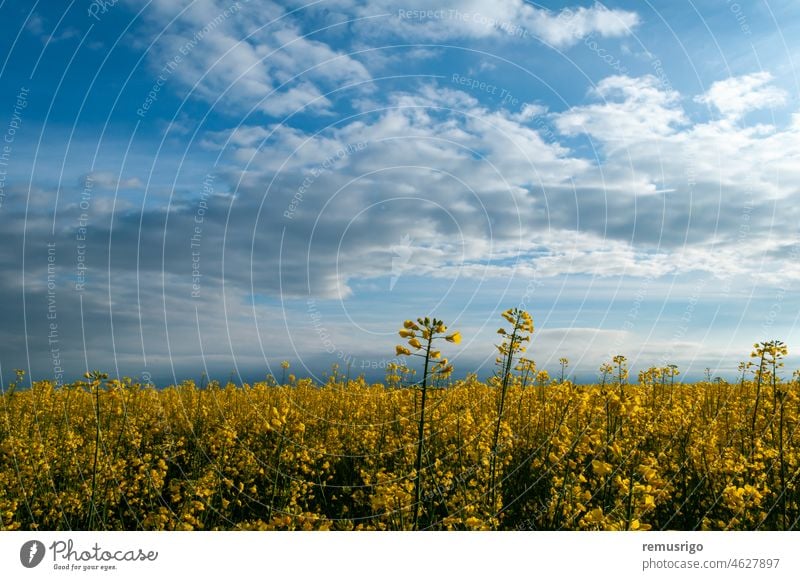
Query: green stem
x=504, y=387
x=92, y=506
x=421, y=435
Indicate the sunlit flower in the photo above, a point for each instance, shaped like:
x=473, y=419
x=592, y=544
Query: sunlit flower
x=455, y=337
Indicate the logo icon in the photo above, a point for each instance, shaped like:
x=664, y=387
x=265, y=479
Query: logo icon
x=32, y=553
x=401, y=256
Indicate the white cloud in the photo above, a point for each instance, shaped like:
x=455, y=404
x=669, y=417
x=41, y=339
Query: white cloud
x=493, y=198
x=502, y=19
x=737, y=96
x=529, y=111
x=271, y=64
x=220, y=54
x=111, y=181
x=633, y=110
x=571, y=25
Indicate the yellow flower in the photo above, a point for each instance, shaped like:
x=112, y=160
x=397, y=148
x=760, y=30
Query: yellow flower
x=415, y=343
x=455, y=337
x=472, y=522
x=594, y=516
x=601, y=468
x=401, y=350
x=410, y=324
x=407, y=333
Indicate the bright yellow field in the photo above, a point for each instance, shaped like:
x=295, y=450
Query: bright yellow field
x=342, y=456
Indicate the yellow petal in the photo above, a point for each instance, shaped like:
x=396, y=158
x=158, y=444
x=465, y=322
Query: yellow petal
x=455, y=337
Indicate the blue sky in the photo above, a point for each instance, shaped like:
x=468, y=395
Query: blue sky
x=218, y=185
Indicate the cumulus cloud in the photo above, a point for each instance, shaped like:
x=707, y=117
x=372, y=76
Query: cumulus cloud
x=482, y=193
x=737, y=96
x=504, y=19
x=217, y=51
x=632, y=110
x=571, y=25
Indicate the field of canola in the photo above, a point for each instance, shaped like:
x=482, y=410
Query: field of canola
x=519, y=451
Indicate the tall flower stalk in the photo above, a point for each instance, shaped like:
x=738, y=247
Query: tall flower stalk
x=421, y=337
x=96, y=378
x=564, y=362
x=511, y=346
x=622, y=372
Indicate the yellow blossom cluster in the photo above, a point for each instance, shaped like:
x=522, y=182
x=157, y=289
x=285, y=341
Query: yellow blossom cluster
x=348, y=454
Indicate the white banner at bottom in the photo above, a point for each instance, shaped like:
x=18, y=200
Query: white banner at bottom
x=351, y=555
